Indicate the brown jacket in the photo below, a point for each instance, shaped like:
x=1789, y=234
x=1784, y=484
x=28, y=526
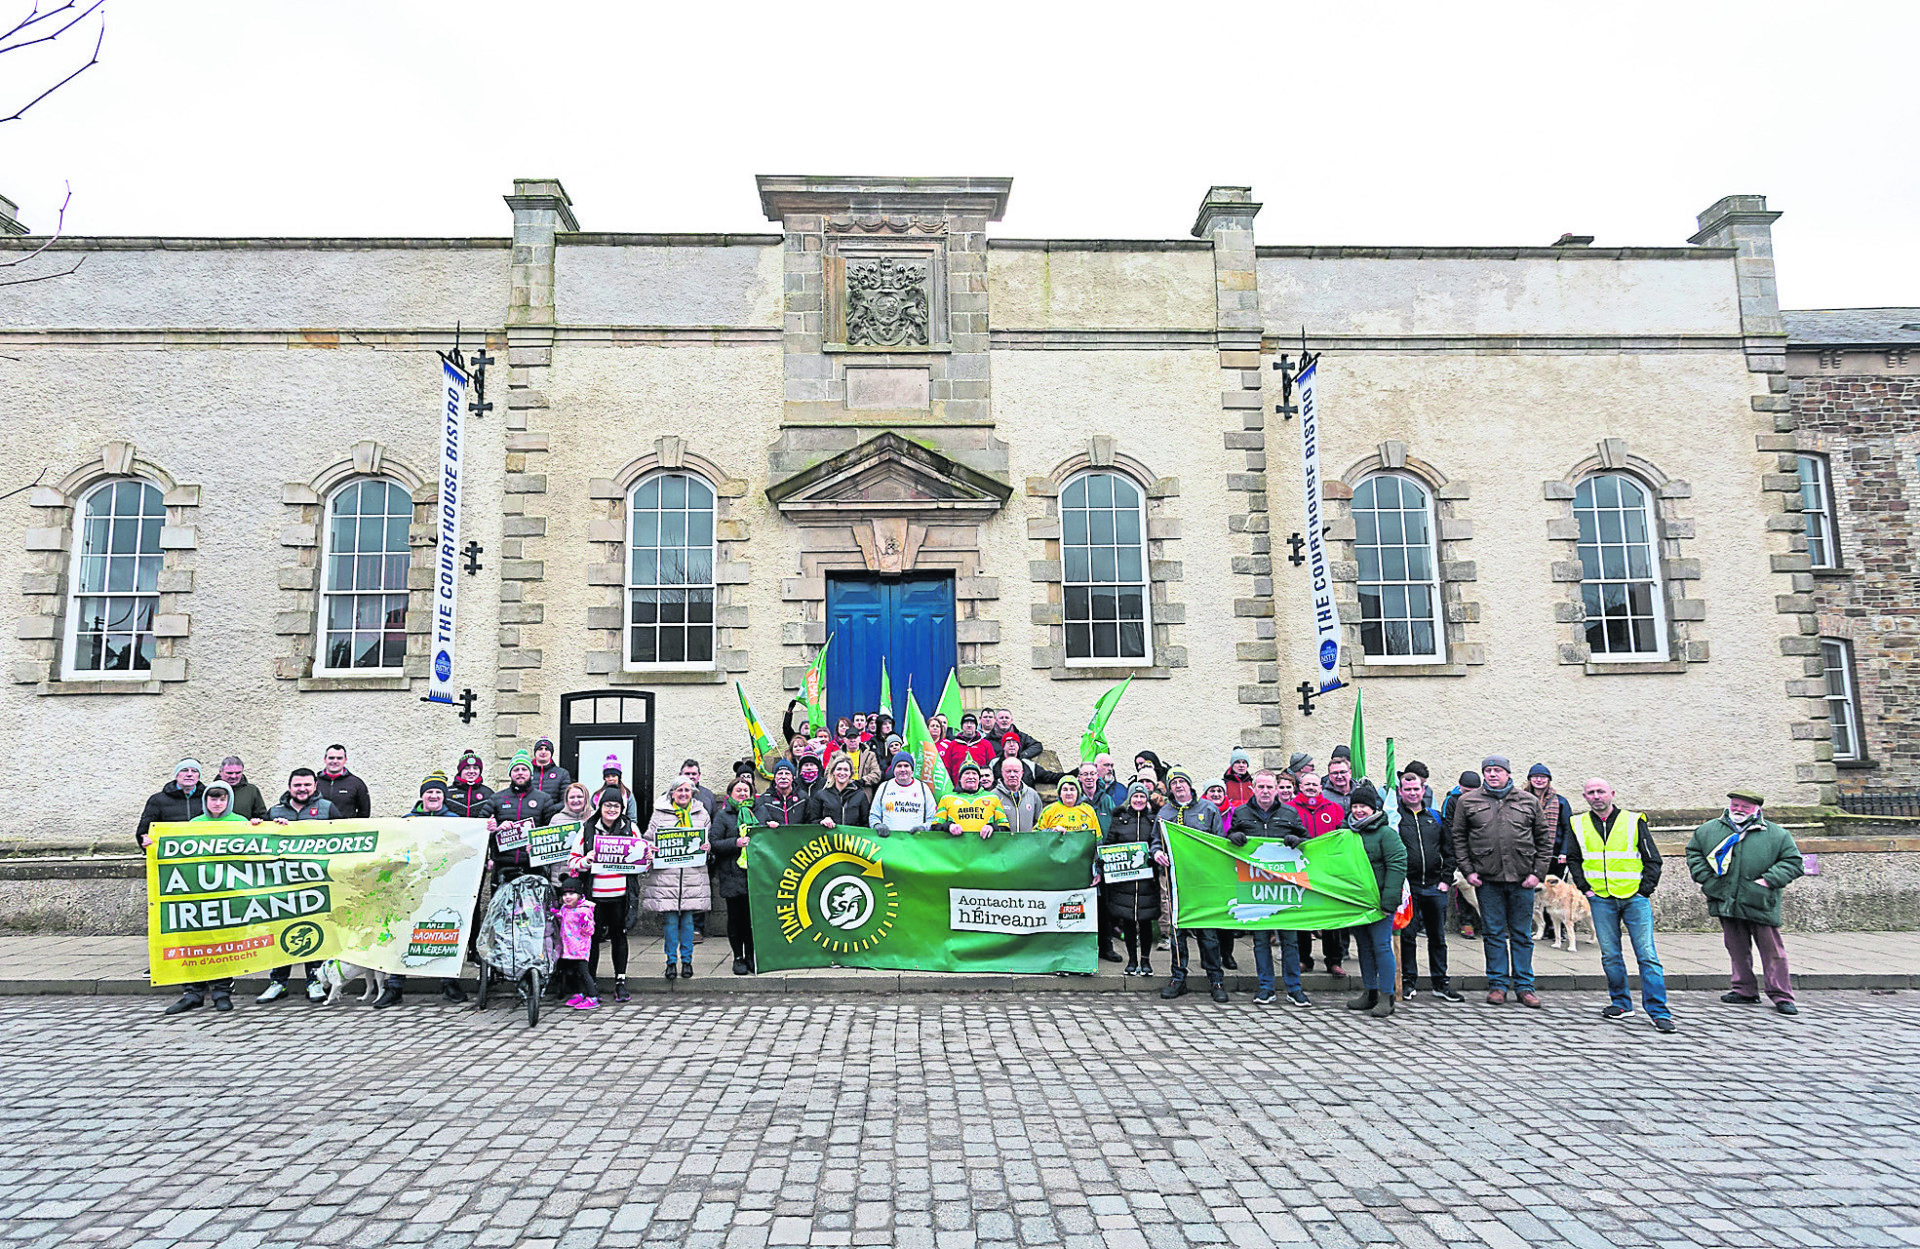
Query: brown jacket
x=1504, y=839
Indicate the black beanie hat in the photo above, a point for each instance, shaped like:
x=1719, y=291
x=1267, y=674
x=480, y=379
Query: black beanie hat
x=1364, y=794
x=1469, y=780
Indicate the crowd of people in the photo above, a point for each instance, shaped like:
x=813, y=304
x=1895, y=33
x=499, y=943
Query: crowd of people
x=1470, y=859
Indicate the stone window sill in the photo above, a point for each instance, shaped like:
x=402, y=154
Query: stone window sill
x=667, y=676
x=314, y=685
x=1370, y=671
x=1832, y=574
x=1855, y=765
x=1117, y=672
x=49, y=689
x=1657, y=667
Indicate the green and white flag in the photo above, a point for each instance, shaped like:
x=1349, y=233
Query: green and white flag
x=950, y=708
x=1325, y=883
x=886, y=690
x=1094, y=740
x=925, y=755
x=813, y=690
x=1357, y=738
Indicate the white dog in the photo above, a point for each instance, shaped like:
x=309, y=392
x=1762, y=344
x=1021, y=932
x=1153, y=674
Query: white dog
x=336, y=975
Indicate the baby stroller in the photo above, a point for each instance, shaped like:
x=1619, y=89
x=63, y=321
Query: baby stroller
x=518, y=940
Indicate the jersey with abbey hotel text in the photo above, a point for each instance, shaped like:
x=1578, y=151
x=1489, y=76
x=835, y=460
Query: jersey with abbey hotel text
x=970, y=812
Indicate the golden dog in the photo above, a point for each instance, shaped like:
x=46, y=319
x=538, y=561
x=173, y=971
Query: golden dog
x=1567, y=906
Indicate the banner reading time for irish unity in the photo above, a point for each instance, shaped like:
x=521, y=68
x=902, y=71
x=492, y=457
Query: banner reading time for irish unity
x=226, y=898
x=825, y=897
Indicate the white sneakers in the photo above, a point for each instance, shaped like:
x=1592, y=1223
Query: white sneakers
x=316, y=992
x=273, y=993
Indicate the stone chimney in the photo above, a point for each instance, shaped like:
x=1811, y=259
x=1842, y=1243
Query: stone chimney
x=1743, y=223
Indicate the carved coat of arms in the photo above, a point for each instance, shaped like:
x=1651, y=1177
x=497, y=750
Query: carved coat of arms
x=886, y=303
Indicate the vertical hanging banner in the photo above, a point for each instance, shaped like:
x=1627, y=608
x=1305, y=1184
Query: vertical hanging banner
x=1326, y=617
x=446, y=565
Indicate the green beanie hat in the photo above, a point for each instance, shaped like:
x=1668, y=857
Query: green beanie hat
x=521, y=759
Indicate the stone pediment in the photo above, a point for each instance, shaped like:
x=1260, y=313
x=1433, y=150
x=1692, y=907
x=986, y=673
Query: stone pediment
x=888, y=476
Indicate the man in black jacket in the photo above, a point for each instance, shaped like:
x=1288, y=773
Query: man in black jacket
x=511, y=814
x=302, y=802
x=1264, y=815
x=248, y=802
x=180, y=799
x=347, y=792
x=547, y=773
x=1429, y=880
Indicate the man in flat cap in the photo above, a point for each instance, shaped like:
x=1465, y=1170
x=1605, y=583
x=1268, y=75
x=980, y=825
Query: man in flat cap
x=1741, y=860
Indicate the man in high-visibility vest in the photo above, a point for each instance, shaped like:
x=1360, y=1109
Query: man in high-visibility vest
x=1615, y=863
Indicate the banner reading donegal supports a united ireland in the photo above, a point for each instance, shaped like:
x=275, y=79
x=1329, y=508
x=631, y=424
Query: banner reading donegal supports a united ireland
x=1325, y=883
x=226, y=898
x=1017, y=902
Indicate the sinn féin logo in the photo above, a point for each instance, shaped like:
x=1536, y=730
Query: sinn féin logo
x=835, y=893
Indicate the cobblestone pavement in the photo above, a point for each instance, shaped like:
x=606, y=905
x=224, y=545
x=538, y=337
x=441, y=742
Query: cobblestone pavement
x=922, y=1120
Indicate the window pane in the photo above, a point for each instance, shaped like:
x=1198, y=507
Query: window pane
x=1074, y=527
x=699, y=645
x=644, y=646
x=1373, y=638
x=673, y=646
x=1128, y=526
x=1077, y=608
x=673, y=529
x=373, y=532
x=646, y=566
x=1606, y=491
x=1100, y=490
x=125, y=537
x=397, y=533
x=1369, y=560
x=119, y=575
x=1106, y=641
x=147, y=578
x=673, y=491
x=646, y=529
x=1104, y=564
x=700, y=566
x=1075, y=494
x=1106, y=605
x=1100, y=527
x=1133, y=640
x=1423, y=638
x=648, y=495
x=1079, y=563
x=699, y=528
x=700, y=606
x=1133, y=603
x=1130, y=563
x=1079, y=641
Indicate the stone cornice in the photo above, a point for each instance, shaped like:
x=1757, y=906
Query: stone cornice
x=783, y=194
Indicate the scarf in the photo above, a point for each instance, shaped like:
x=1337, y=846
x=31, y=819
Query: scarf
x=1501, y=791
x=1722, y=854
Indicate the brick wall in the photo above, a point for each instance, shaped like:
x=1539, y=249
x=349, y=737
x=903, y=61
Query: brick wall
x=1869, y=428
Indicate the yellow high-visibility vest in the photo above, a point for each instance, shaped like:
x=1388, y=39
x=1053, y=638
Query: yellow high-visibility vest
x=1611, y=862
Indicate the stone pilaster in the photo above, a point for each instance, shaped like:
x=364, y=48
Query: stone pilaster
x=1743, y=223
x=1226, y=220
x=540, y=210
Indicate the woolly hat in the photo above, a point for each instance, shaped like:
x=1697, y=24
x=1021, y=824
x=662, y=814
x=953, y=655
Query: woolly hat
x=969, y=766
x=467, y=757
x=1496, y=761
x=1301, y=759
x=186, y=763
x=1065, y=781
x=543, y=741
x=1178, y=773
x=1138, y=787
x=1214, y=787
x=521, y=759
x=813, y=759
x=436, y=779
x=1469, y=780
x=893, y=743
x=1540, y=769
x=899, y=757
x=612, y=766
x=1239, y=756
x=782, y=765
x=1416, y=767
x=1364, y=794
x=1341, y=752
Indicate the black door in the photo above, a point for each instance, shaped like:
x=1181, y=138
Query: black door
x=596, y=724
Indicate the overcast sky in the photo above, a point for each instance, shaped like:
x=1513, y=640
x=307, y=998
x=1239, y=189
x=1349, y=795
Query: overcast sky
x=1354, y=123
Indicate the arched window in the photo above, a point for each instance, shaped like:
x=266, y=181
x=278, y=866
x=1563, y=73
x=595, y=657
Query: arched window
x=363, y=607
x=1103, y=551
x=117, y=586
x=670, y=572
x=1393, y=543
x=1619, y=569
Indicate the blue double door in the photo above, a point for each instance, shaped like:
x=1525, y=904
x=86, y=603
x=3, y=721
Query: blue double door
x=908, y=621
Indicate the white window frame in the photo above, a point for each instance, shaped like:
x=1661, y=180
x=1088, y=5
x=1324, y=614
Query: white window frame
x=70, y=643
x=1436, y=605
x=628, y=586
x=1145, y=660
x=320, y=666
x=1818, y=510
x=1836, y=655
x=1649, y=510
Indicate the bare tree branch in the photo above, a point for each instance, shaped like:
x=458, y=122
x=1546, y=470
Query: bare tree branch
x=35, y=17
x=58, y=226
x=44, y=276
x=97, y=4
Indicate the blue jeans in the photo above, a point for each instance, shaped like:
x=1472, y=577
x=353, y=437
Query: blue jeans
x=1263, y=961
x=679, y=936
x=1506, y=919
x=1376, y=953
x=1637, y=914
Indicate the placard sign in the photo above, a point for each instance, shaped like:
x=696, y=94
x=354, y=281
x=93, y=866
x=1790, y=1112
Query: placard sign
x=547, y=846
x=1124, y=862
x=512, y=835
x=679, y=847
x=619, y=854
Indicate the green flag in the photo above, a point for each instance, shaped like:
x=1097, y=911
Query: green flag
x=1094, y=740
x=926, y=757
x=822, y=897
x=1325, y=883
x=1357, y=740
x=813, y=690
x=764, y=751
x=886, y=689
x=950, y=709
x=1387, y=794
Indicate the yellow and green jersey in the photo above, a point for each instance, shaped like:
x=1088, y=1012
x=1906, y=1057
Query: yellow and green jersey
x=970, y=812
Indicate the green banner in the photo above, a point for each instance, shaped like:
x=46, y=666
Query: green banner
x=1325, y=883
x=824, y=897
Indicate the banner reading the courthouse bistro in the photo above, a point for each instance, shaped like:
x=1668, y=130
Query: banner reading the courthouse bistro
x=1326, y=616
x=1325, y=883
x=227, y=898
x=446, y=571
x=843, y=897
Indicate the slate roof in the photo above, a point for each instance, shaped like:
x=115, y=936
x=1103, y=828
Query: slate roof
x=1842, y=326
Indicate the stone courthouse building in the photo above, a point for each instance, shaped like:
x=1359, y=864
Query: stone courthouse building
x=1562, y=484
